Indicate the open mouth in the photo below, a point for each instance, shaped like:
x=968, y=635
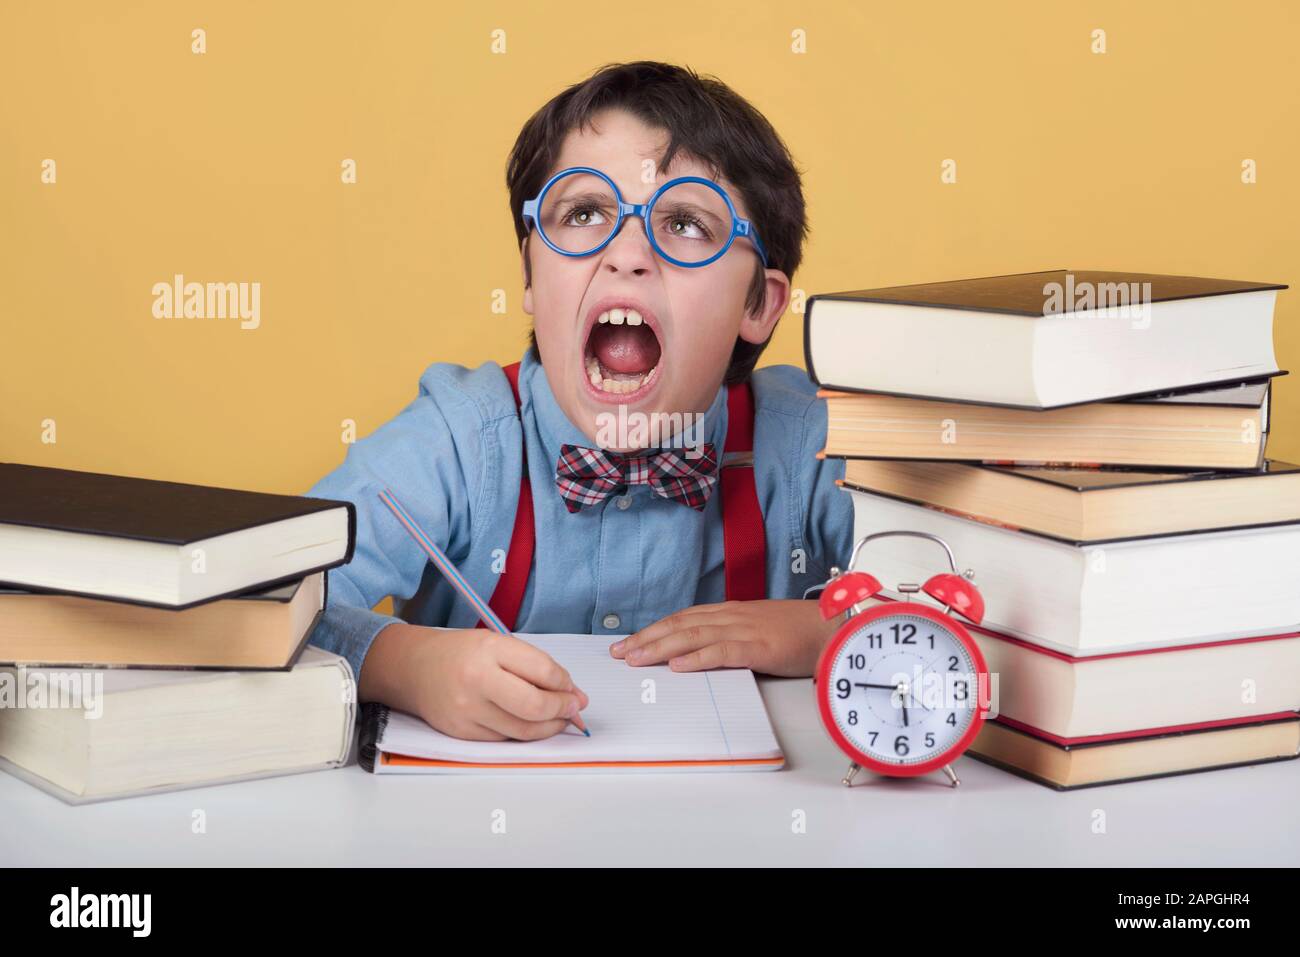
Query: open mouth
x=622, y=352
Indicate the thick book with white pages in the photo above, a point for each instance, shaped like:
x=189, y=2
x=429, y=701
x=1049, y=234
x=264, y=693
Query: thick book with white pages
x=640, y=719
x=1072, y=700
x=1082, y=598
x=1042, y=340
x=124, y=732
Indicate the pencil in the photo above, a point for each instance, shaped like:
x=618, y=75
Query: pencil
x=453, y=575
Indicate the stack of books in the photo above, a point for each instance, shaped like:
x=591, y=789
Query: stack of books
x=1092, y=445
x=153, y=634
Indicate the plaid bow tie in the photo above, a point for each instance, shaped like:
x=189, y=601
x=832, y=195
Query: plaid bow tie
x=588, y=476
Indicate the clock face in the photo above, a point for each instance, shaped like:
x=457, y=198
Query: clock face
x=902, y=688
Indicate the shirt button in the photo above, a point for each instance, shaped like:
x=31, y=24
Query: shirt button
x=623, y=501
x=611, y=620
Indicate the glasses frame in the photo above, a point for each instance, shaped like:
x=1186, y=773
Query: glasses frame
x=739, y=227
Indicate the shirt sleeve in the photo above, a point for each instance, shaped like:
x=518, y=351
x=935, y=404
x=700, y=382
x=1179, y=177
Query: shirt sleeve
x=429, y=457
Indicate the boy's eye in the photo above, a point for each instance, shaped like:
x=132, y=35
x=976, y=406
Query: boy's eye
x=683, y=220
x=685, y=227
x=585, y=216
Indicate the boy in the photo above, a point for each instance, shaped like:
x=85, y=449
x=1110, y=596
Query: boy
x=549, y=501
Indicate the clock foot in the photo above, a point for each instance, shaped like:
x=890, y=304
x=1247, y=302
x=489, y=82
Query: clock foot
x=847, y=780
x=952, y=775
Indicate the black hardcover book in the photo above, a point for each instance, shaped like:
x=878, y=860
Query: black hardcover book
x=1042, y=340
x=152, y=542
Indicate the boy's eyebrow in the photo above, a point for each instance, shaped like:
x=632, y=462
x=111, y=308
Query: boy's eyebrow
x=686, y=206
x=587, y=196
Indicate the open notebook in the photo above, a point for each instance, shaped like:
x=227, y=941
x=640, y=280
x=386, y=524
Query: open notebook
x=641, y=719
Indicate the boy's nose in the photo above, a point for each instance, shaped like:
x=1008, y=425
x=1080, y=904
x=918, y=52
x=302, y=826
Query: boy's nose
x=629, y=251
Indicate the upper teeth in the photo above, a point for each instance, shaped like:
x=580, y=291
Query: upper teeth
x=616, y=316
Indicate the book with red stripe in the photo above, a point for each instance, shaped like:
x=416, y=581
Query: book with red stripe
x=1180, y=751
x=1072, y=700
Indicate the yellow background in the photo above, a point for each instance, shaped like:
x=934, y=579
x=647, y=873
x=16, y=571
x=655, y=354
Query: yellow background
x=226, y=167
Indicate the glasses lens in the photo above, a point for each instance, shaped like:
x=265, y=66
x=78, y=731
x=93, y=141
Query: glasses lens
x=691, y=222
x=578, y=212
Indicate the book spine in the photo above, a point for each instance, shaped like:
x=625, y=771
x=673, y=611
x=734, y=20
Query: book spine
x=352, y=532
x=807, y=340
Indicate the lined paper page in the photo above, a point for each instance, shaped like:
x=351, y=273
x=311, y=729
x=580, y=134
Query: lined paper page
x=635, y=714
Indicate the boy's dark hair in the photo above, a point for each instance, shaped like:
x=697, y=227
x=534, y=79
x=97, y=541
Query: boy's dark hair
x=705, y=119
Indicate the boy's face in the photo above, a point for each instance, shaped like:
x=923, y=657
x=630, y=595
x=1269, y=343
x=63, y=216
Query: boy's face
x=674, y=360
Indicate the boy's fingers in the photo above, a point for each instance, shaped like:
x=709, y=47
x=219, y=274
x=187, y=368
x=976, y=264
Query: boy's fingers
x=652, y=632
x=535, y=666
x=666, y=626
x=517, y=729
x=689, y=638
x=722, y=654
x=523, y=700
x=472, y=731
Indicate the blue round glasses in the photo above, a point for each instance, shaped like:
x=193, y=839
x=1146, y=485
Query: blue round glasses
x=690, y=221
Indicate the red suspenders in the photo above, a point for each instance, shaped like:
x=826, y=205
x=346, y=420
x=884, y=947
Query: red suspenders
x=744, y=540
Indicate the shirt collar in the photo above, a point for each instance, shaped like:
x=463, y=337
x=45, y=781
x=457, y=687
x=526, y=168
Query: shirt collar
x=554, y=428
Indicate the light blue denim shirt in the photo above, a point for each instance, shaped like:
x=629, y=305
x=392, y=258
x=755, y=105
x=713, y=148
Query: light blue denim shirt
x=452, y=457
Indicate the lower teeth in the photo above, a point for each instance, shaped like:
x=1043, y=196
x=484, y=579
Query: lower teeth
x=616, y=385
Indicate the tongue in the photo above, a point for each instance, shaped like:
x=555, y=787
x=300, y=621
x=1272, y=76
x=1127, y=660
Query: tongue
x=627, y=349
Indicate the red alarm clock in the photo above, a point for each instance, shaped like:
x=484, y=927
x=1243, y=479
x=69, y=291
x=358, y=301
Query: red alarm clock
x=901, y=687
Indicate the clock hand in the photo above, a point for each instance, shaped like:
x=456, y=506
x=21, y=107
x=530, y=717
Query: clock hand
x=898, y=690
x=919, y=700
x=893, y=688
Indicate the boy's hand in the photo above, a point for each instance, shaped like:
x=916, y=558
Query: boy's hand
x=470, y=683
x=776, y=637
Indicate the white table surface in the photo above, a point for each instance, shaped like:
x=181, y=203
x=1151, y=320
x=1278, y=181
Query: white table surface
x=1242, y=816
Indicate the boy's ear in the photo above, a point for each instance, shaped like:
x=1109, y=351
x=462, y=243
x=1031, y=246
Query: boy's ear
x=528, y=277
x=757, y=327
